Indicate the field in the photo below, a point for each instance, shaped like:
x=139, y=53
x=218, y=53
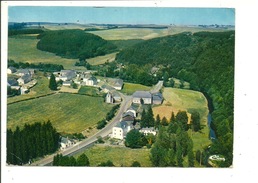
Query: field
x=68, y=113
x=130, y=88
x=120, y=156
x=102, y=59
x=145, y=33
x=23, y=49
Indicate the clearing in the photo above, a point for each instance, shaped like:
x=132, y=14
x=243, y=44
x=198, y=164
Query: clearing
x=120, y=156
x=69, y=113
x=102, y=59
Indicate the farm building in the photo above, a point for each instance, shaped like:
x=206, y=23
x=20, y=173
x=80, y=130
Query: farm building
x=65, y=142
x=142, y=96
x=22, y=72
x=107, y=88
x=157, y=98
x=65, y=75
x=11, y=70
x=13, y=83
x=24, y=79
x=116, y=83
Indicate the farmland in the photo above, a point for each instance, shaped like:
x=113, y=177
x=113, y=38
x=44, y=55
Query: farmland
x=120, y=156
x=102, y=59
x=68, y=113
x=130, y=88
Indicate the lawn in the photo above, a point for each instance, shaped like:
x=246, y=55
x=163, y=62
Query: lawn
x=69, y=113
x=23, y=49
x=88, y=90
x=130, y=88
x=102, y=59
x=120, y=156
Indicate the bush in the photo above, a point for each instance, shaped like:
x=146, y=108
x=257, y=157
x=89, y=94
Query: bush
x=101, y=124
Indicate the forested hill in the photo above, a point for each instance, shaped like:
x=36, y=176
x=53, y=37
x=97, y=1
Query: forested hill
x=206, y=60
x=74, y=44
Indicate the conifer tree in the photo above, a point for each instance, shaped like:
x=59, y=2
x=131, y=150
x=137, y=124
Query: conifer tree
x=52, y=82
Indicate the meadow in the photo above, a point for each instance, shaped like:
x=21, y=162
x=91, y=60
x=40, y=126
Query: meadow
x=102, y=59
x=69, y=113
x=130, y=88
x=120, y=156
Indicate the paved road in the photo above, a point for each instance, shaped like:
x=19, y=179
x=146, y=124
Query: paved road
x=157, y=87
x=125, y=104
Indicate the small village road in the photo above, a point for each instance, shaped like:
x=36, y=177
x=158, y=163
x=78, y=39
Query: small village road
x=125, y=104
x=157, y=87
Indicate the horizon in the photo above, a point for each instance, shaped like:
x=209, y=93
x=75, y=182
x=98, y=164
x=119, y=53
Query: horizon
x=122, y=15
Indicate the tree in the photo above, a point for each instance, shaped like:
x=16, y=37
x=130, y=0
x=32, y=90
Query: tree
x=190, y=153
x=157, y=122
x=109, y=163
x=136, y=164
x=164, y=121
x=83, y=160
x=134, y=139
x=196, y=121
x=143, y=122
x=182, y=119
x=150, y=117
x=173, y=118
x=52, y=82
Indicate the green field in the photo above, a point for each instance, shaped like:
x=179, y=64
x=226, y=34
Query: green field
x=130, y=88
x=145, y=33
x=23, y=49
x=120, y=156
x=88, y=90
x=69, y=113
x=102, y=59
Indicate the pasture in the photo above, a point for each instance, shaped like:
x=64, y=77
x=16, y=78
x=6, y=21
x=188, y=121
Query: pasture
x=69, y=113
x=102, y=59
x=24, y=49
x=130, y=88
x=120, y=156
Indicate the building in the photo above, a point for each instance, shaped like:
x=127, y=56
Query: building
x=132, y=110
x=142, y=97
x=22, y=72
x=107, y=88
x=147, y=131
x=65, y=75
x=67, y=83
x=90, y=81
x=11, y=70
x=118, y=84
x=116, y=96
x=13, y=83
x=109, y=98
x=65, y=142
x=121, y=129
x=24, y=79
x=157, y=98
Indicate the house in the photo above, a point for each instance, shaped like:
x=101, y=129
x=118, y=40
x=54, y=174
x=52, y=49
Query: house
x=128, y=113
x=142, y=96
x=107, y=88
x=22, y=72
x=24, y=79
x=116, y=83
x=67, y=83
x=157, y=98
x=66, y=75
x=121, y=129
x=13, y=83
x=128, y=118
x=109, y=98
x=11, y=70
x=90, y=81
x=65, y=142
x=147, y=131
x=132, y=110
x=116, y=96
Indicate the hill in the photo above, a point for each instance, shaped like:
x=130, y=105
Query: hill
x=74, y=44
x=206, y=61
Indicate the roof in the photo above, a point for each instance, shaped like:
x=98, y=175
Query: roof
x=142, y=94
x=115, y=82
x=12, y=82
x=128, y=113
x=23, y=71
x=107, y=87
x=157, y=96
x=124, y=124
x=64, y=140
x=26, y=78
x=13, y=69
x=128, y=118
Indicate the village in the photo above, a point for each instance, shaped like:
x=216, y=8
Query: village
x=23, y=80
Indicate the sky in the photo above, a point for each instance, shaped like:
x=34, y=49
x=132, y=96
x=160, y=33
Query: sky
x=122, y=15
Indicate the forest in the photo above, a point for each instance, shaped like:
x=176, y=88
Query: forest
x=74, y=44
x=30, y=142
x=206, y=61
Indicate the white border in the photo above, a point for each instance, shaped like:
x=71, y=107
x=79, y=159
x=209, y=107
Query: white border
x=246, y=125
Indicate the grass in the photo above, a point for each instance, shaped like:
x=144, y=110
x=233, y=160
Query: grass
x=69, y=113
x=120, y=156
x=87, y=90
x=24, y=49
x=102, y=59
x=145, y=33
x=130, y=88
x=41, y=88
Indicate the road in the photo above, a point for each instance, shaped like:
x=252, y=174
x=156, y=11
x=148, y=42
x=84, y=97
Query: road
x=125, y=104
x=157, y=87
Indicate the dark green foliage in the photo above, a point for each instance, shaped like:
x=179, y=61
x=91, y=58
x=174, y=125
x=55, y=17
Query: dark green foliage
x=83, y=160
x=13, y=32
x=196, y=121
x=157, y=122
x=31, y=142
x=182, y=119
x=147, y=119
x=60, y=160
x=12, y=92
x=74, y=44
x=101, y=124
x=107, y=164
x=190, y=153
x=164, y=121
x=41, y=66
x=112, y=113
x=135, y=139
x=136, y=164
x=52, y=82
x=100, y=140
x=122, y=44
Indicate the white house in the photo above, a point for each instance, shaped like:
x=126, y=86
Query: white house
x=109, y=98
x=90, y=81
x=122, y=128
x=144, y=96
x=11, y=70
x=65, y=75
x=65, y=142
x=147, y=131
x=24, y=79
x=132, y=110
x=67, y=83
x=22, y=72
x=118, y=84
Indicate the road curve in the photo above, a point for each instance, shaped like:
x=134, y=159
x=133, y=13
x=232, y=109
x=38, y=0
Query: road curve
x=125, y=104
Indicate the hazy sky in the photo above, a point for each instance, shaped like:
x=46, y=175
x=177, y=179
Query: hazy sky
x=140, y=15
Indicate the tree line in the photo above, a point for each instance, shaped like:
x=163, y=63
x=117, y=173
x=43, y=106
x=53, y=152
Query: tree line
x=74, y=44
x=41, y=66
x=60, y=160
x=206, y=61
x=32, y=141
